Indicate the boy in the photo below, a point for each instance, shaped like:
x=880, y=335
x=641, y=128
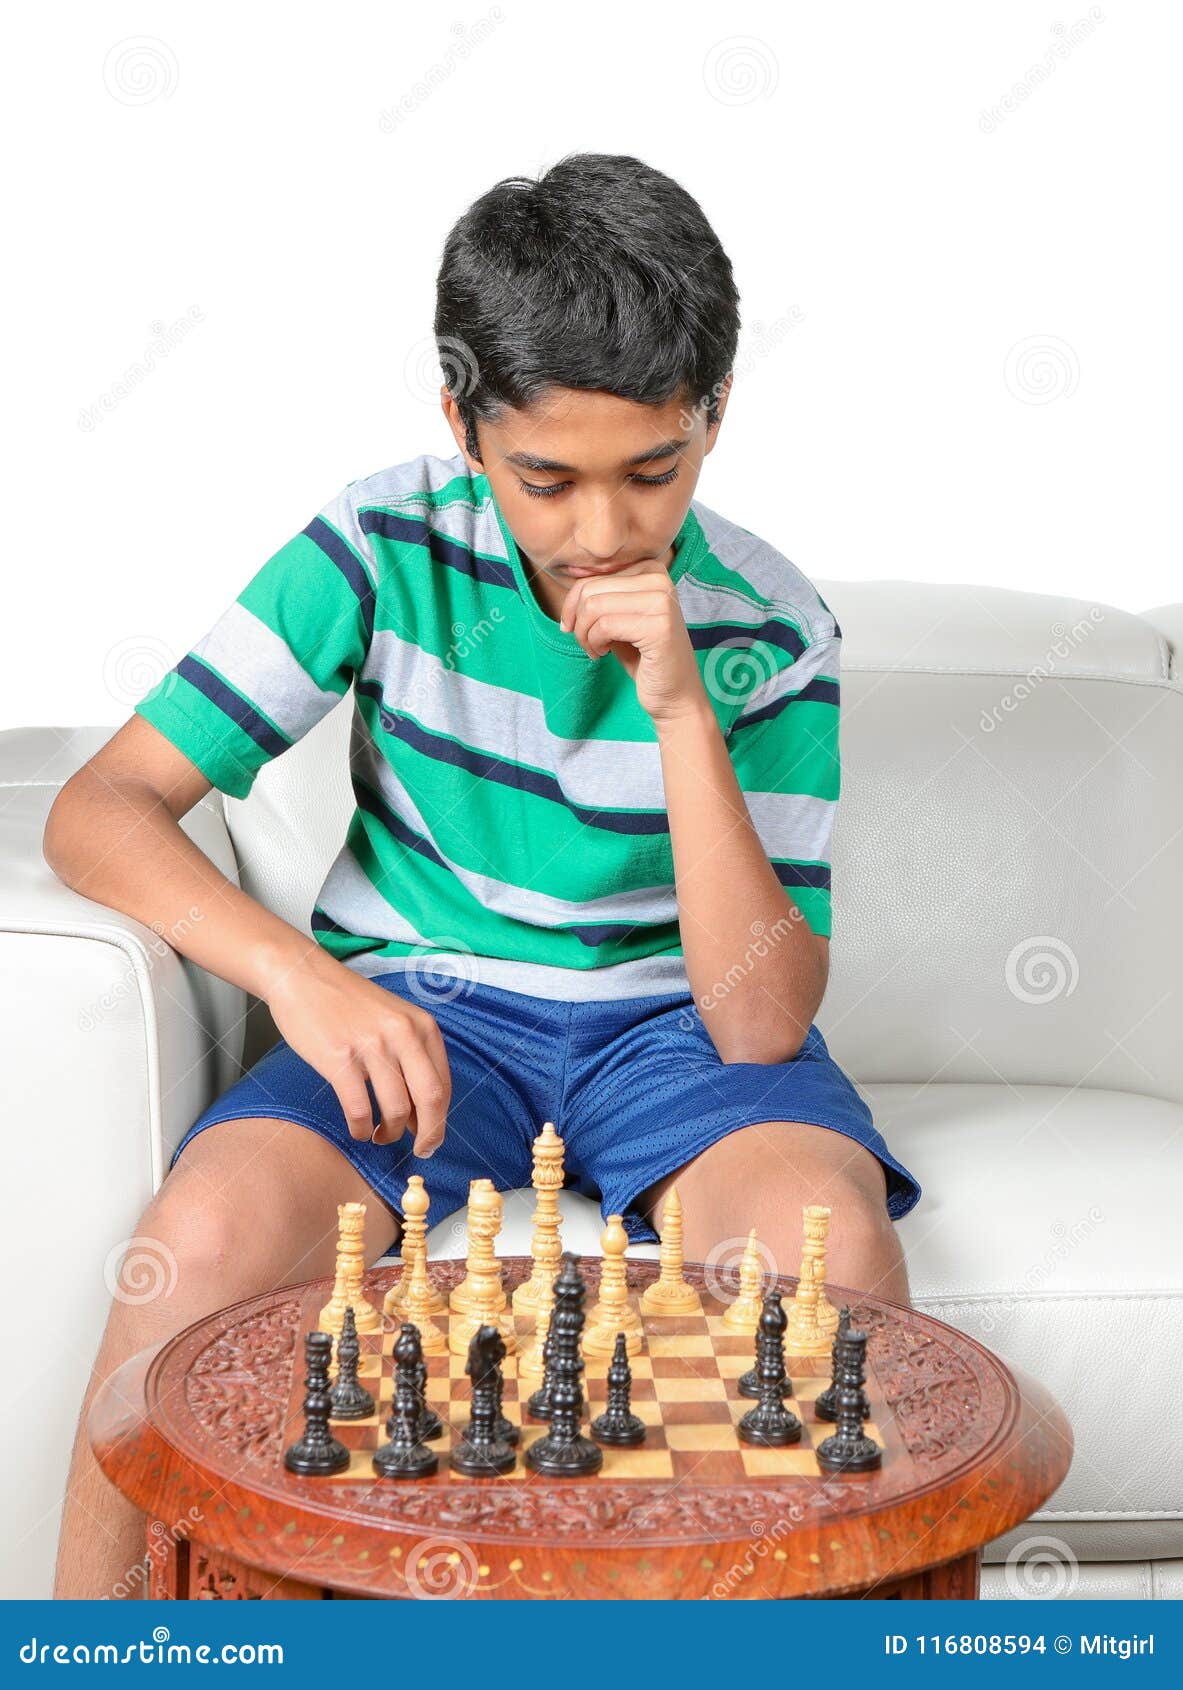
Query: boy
x=595, y=758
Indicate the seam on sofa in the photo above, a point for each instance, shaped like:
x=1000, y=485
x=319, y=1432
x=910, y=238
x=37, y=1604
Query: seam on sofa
x=1166, y=683
x=137, y=956
x=1000, y=1296
x=1106, y=1514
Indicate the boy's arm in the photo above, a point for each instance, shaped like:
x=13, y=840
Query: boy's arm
x=114, y=835
x=757, y=970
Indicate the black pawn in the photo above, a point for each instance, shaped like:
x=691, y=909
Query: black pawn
x=848, y=1449
x=481, y=1452
x=349, y=1398
x=405, y=1456
x=563, y=1452
x=539, y=1405
x=618, y=1424
x=318, y=1451
x=770, y=1422
x=826, y=1406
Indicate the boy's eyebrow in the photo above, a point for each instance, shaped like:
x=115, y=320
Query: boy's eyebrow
x=529, y=460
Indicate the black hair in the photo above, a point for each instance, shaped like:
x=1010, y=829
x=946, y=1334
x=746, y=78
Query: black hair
x=602, y=274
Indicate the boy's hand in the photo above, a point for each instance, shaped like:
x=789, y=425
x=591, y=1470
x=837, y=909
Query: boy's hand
x=352, y=1031
x=637, y=617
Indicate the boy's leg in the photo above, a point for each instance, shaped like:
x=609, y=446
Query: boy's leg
x=762, y=1176
x=250, y=1205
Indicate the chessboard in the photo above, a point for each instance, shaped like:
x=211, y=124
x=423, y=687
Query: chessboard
x=683, y=1387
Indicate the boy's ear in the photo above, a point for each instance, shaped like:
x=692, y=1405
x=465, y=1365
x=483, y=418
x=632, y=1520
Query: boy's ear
x=465, y=438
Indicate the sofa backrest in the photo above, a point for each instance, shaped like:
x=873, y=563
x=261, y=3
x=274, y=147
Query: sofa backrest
x=1008, y=853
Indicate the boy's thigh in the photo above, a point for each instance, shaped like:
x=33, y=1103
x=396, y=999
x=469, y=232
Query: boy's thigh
x=253, y=1200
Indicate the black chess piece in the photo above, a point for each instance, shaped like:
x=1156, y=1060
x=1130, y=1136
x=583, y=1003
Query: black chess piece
x=618, y=1424
x=848, y=1449
x=504, y=1426
x=430, y=1424
x=770, y=1422
x=318, y=1452
x=563, y=1451
x=538, y=1405
x=349, y=1398
x=826, y=1406
x=406, y=1456
x=481, y=1453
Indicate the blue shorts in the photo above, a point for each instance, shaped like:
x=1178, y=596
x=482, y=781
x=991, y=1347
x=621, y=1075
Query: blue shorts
x=634, y=1087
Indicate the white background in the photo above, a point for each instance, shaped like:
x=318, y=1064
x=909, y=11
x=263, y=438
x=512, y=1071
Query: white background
x=962, y=336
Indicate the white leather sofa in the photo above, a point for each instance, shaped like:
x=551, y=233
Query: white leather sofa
x=1004, y=989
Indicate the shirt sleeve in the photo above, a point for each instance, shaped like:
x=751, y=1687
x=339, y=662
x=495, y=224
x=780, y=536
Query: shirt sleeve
x=784, y=749
x=277, y=660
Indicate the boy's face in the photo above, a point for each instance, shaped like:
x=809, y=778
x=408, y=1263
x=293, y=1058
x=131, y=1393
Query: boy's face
x=616, y=479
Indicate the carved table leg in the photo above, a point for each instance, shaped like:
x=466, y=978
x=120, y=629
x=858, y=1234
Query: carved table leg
x=168, y=1563
x=957, y=1580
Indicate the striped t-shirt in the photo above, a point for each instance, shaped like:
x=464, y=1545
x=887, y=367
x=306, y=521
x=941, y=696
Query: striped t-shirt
x=510, y=823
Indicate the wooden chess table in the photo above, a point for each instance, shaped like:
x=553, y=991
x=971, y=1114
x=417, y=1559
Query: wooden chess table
x=194, y=1434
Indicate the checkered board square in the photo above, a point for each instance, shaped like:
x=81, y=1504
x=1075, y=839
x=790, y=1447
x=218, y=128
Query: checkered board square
x=684, y=1389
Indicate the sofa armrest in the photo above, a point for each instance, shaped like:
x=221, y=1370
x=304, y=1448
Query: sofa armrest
x=1168, y=620
x=111, y=1044
x=108, y=1031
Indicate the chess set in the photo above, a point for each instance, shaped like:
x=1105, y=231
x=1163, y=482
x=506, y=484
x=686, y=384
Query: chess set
x=661, y=1385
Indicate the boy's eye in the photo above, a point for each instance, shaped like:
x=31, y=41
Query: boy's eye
x=549, y=491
